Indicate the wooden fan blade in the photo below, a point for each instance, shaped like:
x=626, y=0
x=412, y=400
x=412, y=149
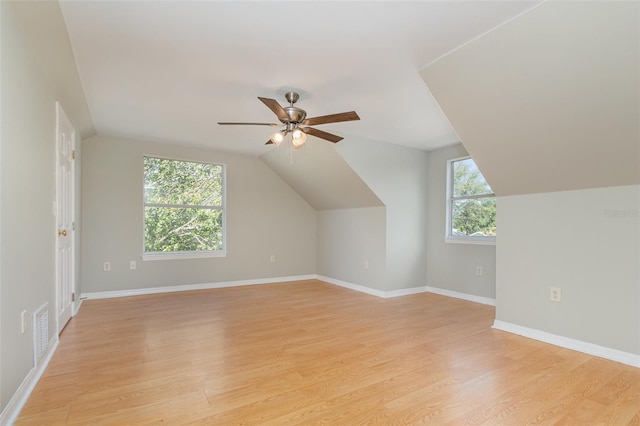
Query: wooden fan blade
x=269, y=142
x=248, y=124
x=321, y=134
x=274, y=106
x=331, y=118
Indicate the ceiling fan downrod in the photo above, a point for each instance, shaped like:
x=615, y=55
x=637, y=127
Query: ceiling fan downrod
x=294, y=114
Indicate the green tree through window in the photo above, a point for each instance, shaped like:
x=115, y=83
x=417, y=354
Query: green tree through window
x=471, y=202
x=183, y=206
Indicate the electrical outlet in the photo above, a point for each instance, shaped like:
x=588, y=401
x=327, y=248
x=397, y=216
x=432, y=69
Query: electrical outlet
x=365, y=265
x=272, y=259
x=555, y=294
x=106, y=266
x=478, y=270
x=132, y=265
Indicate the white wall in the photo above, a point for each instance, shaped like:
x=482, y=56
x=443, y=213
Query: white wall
x=398, y=176
x=587, y=243
x=27, y=178
x=264, y=216
x=453, y=266
x=346, y=239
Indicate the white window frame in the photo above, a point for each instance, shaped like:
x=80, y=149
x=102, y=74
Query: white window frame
x=461, y=239
x=187, y=254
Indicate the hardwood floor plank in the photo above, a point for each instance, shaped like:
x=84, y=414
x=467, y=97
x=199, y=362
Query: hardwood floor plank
x=307, y=352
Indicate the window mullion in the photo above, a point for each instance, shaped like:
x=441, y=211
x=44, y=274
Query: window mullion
x=182, y=206
x=472, y=197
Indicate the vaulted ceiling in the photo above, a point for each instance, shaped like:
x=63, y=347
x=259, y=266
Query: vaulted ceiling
x=551, y=100
x=321, y=176
x=169, y=71
x=545, y=96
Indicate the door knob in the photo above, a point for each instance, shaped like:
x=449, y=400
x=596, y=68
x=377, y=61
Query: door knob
x=62, y=233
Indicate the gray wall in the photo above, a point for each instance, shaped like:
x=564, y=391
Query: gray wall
x=27, y=177
x=585, y=242
x=398, y=176
x=453, y=266
x=405, y=238
x=346, y=239
x=549, y=111
x=28, y=158
x=264, y=217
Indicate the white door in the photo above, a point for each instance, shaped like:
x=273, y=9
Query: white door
x=65, y=259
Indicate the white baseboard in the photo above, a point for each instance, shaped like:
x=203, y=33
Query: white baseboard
x=568, y=343
x=13, y=408
x=76, y=306
x=189, y=287
x=464, y=296
x=405, y=291
x=205, y=286
x=351, y=286
x=369, y=290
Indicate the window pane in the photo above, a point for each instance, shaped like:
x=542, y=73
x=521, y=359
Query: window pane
x=474, y=217
x=182, y=229
x=182, y=182
x=467, y=179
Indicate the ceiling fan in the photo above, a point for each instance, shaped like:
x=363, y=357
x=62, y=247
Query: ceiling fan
x=296, y=124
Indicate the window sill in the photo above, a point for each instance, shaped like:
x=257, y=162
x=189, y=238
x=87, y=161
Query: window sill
x=475, y=241
x=183, y=255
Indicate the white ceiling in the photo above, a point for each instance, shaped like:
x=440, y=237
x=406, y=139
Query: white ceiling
x=170, y=70
x=306, y=172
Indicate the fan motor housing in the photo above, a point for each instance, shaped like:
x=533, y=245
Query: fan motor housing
x=296, y=115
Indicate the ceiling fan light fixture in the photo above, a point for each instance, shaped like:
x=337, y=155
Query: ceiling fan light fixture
x=277, y=138
x=298, y=138
x=292, y=117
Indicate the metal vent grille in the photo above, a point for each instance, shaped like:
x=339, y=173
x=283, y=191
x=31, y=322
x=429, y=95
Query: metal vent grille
x=40, y=332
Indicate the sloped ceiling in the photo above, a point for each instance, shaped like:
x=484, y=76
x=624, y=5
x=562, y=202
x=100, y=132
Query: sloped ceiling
x=321, y=176
x=549, y=101
x=44, y=29
x=169, y=70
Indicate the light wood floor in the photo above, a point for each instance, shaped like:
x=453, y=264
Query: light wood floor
x=312, y=353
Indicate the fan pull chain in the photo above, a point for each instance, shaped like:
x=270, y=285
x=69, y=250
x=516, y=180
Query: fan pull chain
x=291, y=153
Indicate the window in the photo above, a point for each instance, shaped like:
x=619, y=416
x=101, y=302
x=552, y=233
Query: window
x=183, y=209
x=471, y=204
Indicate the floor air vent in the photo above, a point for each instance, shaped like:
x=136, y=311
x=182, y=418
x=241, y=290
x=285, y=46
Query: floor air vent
x=40, y=332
